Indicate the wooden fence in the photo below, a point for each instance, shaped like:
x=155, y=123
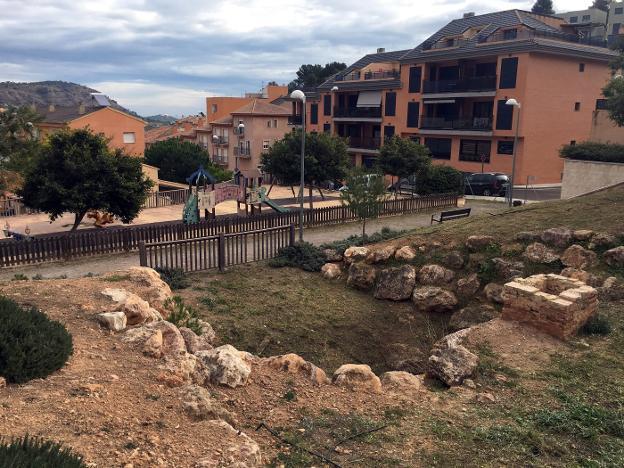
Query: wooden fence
x=205, y=253
x=90, y=242
x=167, y=198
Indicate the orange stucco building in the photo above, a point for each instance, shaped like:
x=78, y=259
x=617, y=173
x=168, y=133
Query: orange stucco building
x=449, y=93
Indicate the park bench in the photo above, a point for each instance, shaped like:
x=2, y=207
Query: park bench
x=451, y=214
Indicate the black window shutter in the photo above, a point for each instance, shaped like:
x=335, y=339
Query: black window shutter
x=413, y=109
x=388, y=131
x=314, y=113
x=504, y=116
x=509, y=71
x=327, y=104
x=415, y=75
x=390, y=104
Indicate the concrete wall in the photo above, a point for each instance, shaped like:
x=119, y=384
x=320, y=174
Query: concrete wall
x=604, y=130
x=580, y=177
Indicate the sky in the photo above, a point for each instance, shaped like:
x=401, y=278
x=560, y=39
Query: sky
x=163, y=56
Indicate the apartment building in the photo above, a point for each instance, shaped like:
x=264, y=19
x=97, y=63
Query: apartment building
x=450, y=92
x=598, y=23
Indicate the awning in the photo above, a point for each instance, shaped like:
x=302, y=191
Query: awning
x=369, y=99
x=439, y=101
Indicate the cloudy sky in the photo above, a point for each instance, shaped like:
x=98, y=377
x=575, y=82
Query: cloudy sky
x=163, y=56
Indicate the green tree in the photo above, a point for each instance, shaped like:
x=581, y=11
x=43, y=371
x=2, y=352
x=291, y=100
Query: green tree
x=177, y=159
x=77, y=172
x=18, y=142
x=313, y=75
x=402, y=157
x=601, y=4
x=325, y=159
x=363, y=194
x=439, y=179
x=543, y=7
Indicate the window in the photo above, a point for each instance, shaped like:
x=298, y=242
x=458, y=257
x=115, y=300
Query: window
x=129, y=137
x=274, y=123
x=415, y=77
x=415, y=139
x=213, y=108
x=440, y=148
x=573, y=142
x=268, y=124
x=504, y=115
x=577, y=106
x=601, y=104
x=573, y=19
x=510, y=34
x=413, y=109
x=475, y=150
x=509, y=71
x=390, y=104
x=327, y=104
x=327, y=128
x=616, y=28
x=619, y=10
x=224, y=154
x=505, y=147
x=581, y=67
x=314, y=114
x=265, y=144
x=586, y=18
x=388, y=131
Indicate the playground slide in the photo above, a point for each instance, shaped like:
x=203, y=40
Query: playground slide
x=275, y=206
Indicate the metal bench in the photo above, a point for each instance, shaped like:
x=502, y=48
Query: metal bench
x=452, y=214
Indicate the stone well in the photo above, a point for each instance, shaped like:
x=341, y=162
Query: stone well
x=555, y=304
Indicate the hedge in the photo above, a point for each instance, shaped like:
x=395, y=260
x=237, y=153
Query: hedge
x=591, y=151
x=29, y=452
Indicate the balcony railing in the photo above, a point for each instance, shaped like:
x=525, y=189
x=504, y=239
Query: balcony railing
x=242, y=152
x=518, y=35
x=354, y=76
x=221, y=140
x=445, y=123
x=369, y=143
x=380, y=75
x=294, y=120
x=357, y=112
x=475, y=84
x=221, y=160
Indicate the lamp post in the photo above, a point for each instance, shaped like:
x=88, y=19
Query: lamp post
x=333, y=91
x=300, y=96
x=516, y=104
x=215, y=142
x=241, y=134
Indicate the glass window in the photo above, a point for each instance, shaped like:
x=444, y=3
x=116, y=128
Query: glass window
x=586, y=18
x=619, y=10
x=573, y=19
x=275, y=123
x=268, y=123
x=475, y=150
x=510, y=34
x=577, y=106
x=581, y=67
x=265, y=144
x=440, y=148
x=129, y=137
x=214, y=108
x=505, y=147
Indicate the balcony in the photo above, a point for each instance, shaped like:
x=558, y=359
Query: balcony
x=381, y=75
x=353, y=76
x=221, y=141
x=366, y=143
x=519, y=35
x=466, y=85
x=473, y=124
x=220, y=160
x=294, y=120
x=242, y=152
x=357, y=112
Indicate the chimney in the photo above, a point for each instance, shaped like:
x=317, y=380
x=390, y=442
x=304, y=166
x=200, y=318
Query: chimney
x=470, y=14
x=51, y=108
x=381, y=50
x=81, y=108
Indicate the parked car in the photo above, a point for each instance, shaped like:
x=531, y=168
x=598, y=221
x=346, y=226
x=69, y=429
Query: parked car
x=487, y=184
x=406, y=185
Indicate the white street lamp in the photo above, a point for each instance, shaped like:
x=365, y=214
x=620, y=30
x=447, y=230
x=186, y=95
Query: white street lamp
x=241, y=134
x=300, y=96
x=513, y=102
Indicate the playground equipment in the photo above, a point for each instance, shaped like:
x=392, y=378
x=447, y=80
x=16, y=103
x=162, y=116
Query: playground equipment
x=200, y=198
x=255, y=195
x=101, y=219
x=262, y=195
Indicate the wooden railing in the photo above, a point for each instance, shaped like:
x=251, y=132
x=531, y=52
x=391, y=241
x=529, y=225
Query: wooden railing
x=89, y=242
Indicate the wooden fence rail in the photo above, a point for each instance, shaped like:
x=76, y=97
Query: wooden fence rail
x=90, y=242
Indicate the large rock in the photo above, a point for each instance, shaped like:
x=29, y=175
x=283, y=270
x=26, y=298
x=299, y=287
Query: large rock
x=433, y=299
x=528, y=236
x=295, y=364
x=153, y=346
x=357, y=376
x=582, y=275
x=582, y=235
x=182, y=369
x=494, y=293
x=612, y=289
x=381, y=255
x=355, y=254
x=614, y=257
x=361, y=276
x=115, y=321
x=164, y=339
x=507, y=269
x=468, y=287
x=405, y=254
x=157, y=290
x=435, y=275
x=200, y=406
x=196, y=342
x=401, y=381
x=238, y=450
x=539, y=253
x=331, y=271
x=578, y=257
x=396, y=284
x=454, y=260
x=558, y=237
x=450, y=361
x=479, y=242
x=225, y=365
x=602, y=240
x=137, y=310
x=332, y=256
x=472, y=315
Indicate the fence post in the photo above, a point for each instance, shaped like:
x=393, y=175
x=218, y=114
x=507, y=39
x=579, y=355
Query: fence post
x=142, y=254
x=292, y=234
x=221, y=250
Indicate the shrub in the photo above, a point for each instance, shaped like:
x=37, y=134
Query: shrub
x=591, y=151
x=29, y=452
x=439, y=179
x=301, y=255
x=31, y=345
x=182, y=315
x=385, y=234
x=175, y=277
x=597, y=325
x=19, y=277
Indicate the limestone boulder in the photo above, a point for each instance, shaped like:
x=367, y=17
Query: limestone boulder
x=602, y=240
x=479, y=242
x=381, y=255
x=401, y=381
x=450, y=361
x=331, y=271
x=528, y=236
x=405, y=254
x=238, y=450
x=578, y=257
x=614, y=257
x=396, y=284
x=195, y=342
x=157, y=290
x=454, y=260
x=200, y=406
x=472, y=315
x=225, y=365
x=332, y=256
x=539, y=253
x=433, y=299
x=137, y=310
x=494, y=293
x=582, y=275
x=355, y=254
x=115, y=321
x=468, y=286
x=295, y=364
x=208, y=334
x=582, y=235
x=612, y=289
x=153, y=346
x=180, y=370
x=557, y=237
x=357, y=376
x=507, y=269
x=361, y=276
x=435, y=275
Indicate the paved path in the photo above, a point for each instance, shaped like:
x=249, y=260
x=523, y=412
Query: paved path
x=319, y=235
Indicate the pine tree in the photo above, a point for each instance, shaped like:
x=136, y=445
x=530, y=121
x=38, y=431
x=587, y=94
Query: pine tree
x=543, y=7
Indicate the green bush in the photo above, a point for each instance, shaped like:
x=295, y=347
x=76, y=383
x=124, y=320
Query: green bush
x=301, y=255
x=31, y=345
x=182, y=315
x=439, y=179
x=591, y=151
x=597, y=325
x=175, y=277
x=30, y=452
x=385, y=234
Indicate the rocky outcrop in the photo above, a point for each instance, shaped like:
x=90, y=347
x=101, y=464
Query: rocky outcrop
x=582, y=235
x=331, y=271
x=401, y=381
x=558, y=237
x=611, y=289
x=539, y=253
x=355, y=254
x=357, y=376
x=614, y=257
x=200, y=406
x=578, y=257
x=472, y=315
x=450, y=361
x=396, y=284
x=332, y=256
x=435, y=275
x=295, y=364
x=528, y=236
x=405, y=254
x=494, y=293
x=137, y=310
x=225, y=365
x=381, y=255
x=433, y=299
x=361, y=276
x=602, y=240
x=115, y=321
x=468, y=287
x=454, y=260
x=479, y=242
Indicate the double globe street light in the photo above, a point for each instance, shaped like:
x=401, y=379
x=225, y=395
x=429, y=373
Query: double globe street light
x=513, y=102
x=299, y=95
